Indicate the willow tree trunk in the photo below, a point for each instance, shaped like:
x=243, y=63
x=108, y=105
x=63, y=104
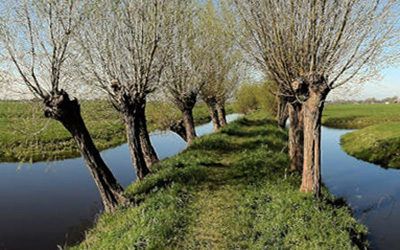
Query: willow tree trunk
x=150, y=155
x=296, y=133
x=178, y=127
x=60, y=107
x=132, y=123
x=188, y=123
x=221, y=114
x=214, y=115
x=283, y=112
x=313, y=107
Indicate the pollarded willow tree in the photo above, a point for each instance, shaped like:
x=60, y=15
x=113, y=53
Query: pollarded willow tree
x=310, y=47
x=120, y=51
x=186, y=64
x=221, y=83
x=36, y=38
x=223, y=58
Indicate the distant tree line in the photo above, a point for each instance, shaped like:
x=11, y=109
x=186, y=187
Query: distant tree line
x=372, y=100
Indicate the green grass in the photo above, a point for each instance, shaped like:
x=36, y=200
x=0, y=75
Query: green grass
x=26, y=135
x=356, y=116
x=378, y=137
x=229, y=190
x=377, y=144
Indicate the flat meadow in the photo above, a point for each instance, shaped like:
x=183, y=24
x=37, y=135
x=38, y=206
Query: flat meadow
x=378, y=137
x=27, y=136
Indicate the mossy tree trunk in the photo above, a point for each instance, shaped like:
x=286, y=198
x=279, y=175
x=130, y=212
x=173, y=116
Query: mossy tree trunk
x=60, y=107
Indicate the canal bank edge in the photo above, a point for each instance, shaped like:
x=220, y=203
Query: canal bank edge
x=51, y=142
x=229, y=190
x=377, y=139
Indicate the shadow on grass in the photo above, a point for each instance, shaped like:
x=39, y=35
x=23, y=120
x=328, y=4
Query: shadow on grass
x=251, y=165
x=254, y=149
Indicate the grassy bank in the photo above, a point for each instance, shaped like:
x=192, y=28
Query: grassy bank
x=26, y=135
x=230, y=190
x=377, y=144
x=378, y=137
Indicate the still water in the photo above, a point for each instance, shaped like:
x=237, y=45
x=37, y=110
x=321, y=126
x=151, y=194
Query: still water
x=43, y=205
x=372, y=192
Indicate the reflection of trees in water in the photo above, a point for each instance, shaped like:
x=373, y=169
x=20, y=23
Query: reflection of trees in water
x=386, y=202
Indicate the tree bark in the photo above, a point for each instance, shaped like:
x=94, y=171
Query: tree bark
x=132, y=123
x=150, y=155
x=313, y=107
x=283, y=112
x=60, y=107
x=221, y=114
x=296, y=133
x=188, y=122
x=179, y=128
x=214, y=115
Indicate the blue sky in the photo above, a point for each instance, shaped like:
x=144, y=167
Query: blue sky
x=387, y=86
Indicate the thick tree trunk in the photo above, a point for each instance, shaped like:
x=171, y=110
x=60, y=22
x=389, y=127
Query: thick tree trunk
x=179, y=128
x=313, y=107
x=61, y=108
x=149, y=153
x=132, y=123
x=283, y=112
x=214, y=115
x=221, y=114
x=188, y=122
x=296, y=136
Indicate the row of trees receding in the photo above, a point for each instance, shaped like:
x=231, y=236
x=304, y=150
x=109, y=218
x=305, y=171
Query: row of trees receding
x=311, y=47
x=131, y=51
x=179, y=51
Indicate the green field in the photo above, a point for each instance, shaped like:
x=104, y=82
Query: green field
x=356, y=116
x=378, y=137
x=26, y=135
x=230, y=190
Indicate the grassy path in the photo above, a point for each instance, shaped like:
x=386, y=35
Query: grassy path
x=213, y=206
x=229, y=190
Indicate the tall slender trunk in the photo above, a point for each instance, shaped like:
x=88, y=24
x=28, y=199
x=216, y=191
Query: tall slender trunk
x=283, y=112
x=214, y=115
x=60, y=107
x=188, y=122
x=132, y=123
x=296, y=132
x=313, y=107
x=220, y=107
x=149, y=153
